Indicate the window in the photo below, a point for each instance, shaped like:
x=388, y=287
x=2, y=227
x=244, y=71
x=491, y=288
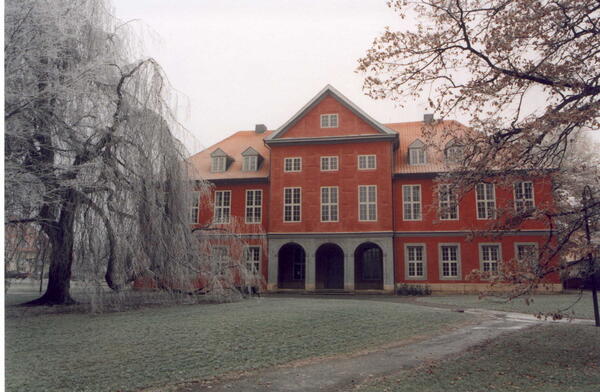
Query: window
x=486, y=201
x=329, y=120
x=454, y=154
x=252, y=257
x=415, y=261
x=367, y=162
x=329, y=163
x=372, y=265
x=250, y=163
x=416, y=156
x=524, y=197
x=298, y=269
x=195, y=210
x=489, y=258
x=218, y=164
x=220, y=257
x=329, y=204
x=222, y=206
x=412, y=202
x=449, y=261
x=448, y=203
x=253, y=206
x=292, y=164
x=291, y=204
x=367, y=202
x=527, y=254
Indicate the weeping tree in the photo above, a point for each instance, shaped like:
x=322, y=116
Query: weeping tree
x=91, y=155
x=525, y=74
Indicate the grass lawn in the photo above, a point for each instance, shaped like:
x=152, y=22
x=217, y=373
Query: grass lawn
x=541, y=303
x=550, y=358
x=157, y=346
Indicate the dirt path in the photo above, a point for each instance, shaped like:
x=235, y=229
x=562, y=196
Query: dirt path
x=338, y=374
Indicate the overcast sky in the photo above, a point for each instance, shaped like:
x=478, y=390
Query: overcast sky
x=241, y=63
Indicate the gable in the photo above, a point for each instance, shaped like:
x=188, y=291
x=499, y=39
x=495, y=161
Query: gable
x=351, y=120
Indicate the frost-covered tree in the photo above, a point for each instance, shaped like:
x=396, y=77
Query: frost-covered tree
x=526, y=76
x=91, y=157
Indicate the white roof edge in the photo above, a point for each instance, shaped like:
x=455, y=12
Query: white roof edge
x=329, y=88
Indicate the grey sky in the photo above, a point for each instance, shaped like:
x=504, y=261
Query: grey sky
x=245, y=62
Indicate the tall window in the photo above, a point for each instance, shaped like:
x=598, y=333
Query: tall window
x=329, y=120
x=489, y=257
x=524, y=197
x=367, y=203
x=218, y=164
x=220, y=257
x=329, y=163
x=250, y=163
x=291, y=204
x=253, y=206
x=367, y=162
x=486, y=201
x=416, y=156
x=329, y=204
x=222, y=206
x=448, y=203
x=527, y=254
x=252, y=257
x=292, y=164
x=415, y=261
x=411, y=195
x=449, y=259
x=195, y=210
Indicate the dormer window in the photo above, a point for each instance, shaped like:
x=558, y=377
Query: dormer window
x=252, y=160
x=454, y=153
x=329, y=120
x=219, y=161
x=218, y=164
x=416, y=153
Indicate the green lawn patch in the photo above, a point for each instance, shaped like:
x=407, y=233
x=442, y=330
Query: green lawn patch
x=541, y=303
x=550, y=358
x=157, y=346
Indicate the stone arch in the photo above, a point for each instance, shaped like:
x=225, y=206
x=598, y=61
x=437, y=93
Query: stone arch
x=329, y=267
x=291, y=260
x=368, y=267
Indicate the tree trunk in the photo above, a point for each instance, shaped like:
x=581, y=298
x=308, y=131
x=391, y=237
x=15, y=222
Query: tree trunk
x=61, y=238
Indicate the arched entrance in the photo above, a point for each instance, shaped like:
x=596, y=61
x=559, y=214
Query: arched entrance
x=329, y=267
x=292, y=266
x=368, y=267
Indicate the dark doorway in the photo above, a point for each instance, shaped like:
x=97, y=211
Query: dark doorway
x=329, y=267
x=292, y=267
x=368, y=267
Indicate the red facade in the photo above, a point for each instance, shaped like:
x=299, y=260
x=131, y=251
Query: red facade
x=343, y=207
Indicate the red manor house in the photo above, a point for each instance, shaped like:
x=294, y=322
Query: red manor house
x=334, y=200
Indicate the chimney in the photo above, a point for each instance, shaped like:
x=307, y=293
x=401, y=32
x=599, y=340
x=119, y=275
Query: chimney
x=428, y=118
x=260, y=128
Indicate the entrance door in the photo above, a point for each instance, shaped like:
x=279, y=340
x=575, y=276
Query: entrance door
x=329, y=267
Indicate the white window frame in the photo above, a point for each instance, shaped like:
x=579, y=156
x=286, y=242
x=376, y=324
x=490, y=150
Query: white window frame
x=327, y=163
x=252, y=208
x=330, y=206
x=224, y=218
x=488, y=201
x=195, y=208
x=367, y=203
x=521, y=203
x=295, y=164
x=446, y=206
x=408, y=261
x=250, y=163
x=252, y=264
x=458, y=262
x=292, y=204
x=414, y=206
x=367, y=162
x=326, y=120
x=483, y=261
x=417, y=156
x=223, y=258
x=218, y=164
x=535, y=245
